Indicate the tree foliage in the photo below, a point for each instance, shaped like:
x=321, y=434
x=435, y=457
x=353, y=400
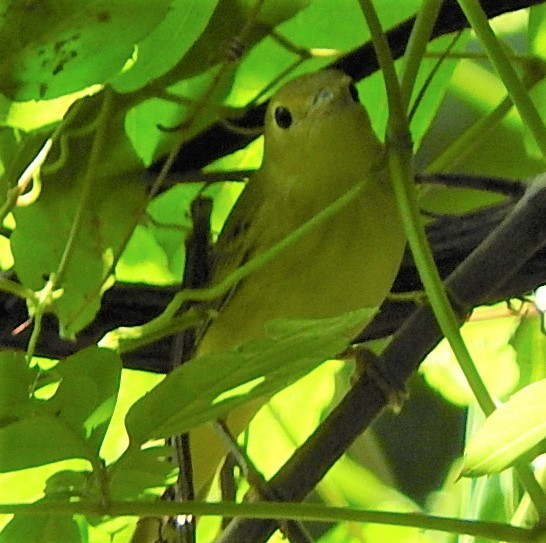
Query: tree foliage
x=116, y=117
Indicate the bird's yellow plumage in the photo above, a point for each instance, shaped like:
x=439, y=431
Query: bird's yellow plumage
x=319, y=144
x=350, y=261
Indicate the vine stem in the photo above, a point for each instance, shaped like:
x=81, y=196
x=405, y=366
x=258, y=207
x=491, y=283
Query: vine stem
x=417, y=46
x=498, y=57
x=282, y=511
x=400, y=157
x=51, y=291
x=92, y=165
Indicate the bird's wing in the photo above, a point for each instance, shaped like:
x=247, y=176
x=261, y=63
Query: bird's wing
x=237, y=243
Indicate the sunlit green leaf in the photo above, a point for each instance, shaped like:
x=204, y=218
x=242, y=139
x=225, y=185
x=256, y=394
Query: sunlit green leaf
x=511, y=431
x=208, y=387
x=154, y=270
x=488, y=342
x=529, y=341
x=182, y=25
x=283, y=421
x=536, y=37
x=134, y=384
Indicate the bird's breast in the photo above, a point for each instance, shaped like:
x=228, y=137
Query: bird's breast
x=346, y=263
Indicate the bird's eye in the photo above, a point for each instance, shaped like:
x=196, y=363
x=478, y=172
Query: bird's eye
x=354, y=92
x=283, y=117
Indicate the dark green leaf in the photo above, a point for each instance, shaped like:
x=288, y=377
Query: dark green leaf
x=41, y=529
x=15, y=381
x=113, y=205
x=138, y=474
x=54, y=47
x=39, y=440
x=87, y=393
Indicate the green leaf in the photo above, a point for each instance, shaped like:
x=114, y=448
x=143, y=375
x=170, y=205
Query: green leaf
x=208, y=387
x=537, y=31
x=144, y=261
x=488, y=340
x=173, y=208
x=15, y=381
x=54, y=47
x=72, y=424
x=284, y=422
x=142, y=474
x=143, y=121
x=67, y=484
x=228, y=20
x=114, y=198
x=513, y=430
x=313, y=20
x=96, y=371
x=39, y=440
x=174, y=36
x=529, y=342
x=39, y=529
x=193, y=76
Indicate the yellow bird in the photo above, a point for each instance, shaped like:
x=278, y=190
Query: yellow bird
x=319, y=144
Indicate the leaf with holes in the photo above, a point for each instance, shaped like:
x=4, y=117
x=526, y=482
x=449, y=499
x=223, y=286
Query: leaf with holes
x=55, y=47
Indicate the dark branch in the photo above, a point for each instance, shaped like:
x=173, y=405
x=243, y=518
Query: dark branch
x=452, y=238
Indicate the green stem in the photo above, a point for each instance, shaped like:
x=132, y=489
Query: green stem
x=496, y=53
x=402, y=173
x=6, y=285
x=43, y=300
x=48, y=293
x=417, y=46
x=127, y=339
x=386, y=62
x=532, y=487
x=282, y=511
x=88, y=181
x=401, y=166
